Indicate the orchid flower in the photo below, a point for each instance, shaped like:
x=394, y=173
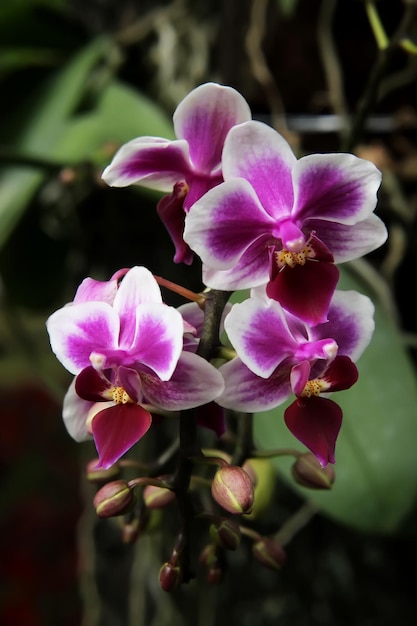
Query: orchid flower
x=284, y=222
x=188, y=166
x=125, y=347
x=278, y=355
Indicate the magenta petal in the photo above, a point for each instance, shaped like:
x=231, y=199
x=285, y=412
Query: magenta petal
x=91, y=385
x=305, y=290
x=149, y=161
x=341, y=374
x=91, y=289
x=316, y=423
x=204, y=118
x=116, y=429
x=171, y=212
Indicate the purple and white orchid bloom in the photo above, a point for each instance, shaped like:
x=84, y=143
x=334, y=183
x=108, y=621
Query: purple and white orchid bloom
x=284, y=222
x=278, y=355
x=188, y=166
x=125, y=347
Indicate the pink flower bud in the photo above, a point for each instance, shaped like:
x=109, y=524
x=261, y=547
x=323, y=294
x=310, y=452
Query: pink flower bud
x=308, y=472
x=131, y=531
x=157, y=497
x=226, y=534
x=115, y=498
x=169, y=577
x=211, y=559
x=269, y=553
x=232, y=489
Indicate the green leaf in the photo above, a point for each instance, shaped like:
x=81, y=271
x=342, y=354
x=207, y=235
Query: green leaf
x=17, y=185
x=121, y=114
x=376, y=467
x=56, y=133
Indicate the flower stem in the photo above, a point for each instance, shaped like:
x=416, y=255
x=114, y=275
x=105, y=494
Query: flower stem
x=182, y=291
x=215, y=302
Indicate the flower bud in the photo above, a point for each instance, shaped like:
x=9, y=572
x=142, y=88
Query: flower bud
x=157, y=497
x=211, y=559
x=232, y=488
x=208, y=556
x=226, y=534
x=249, y=468
x=131, y=531
x=99, y=475
x=169, y=577
x=214, y=575
x=115, y=498
x=269, y=553
x=264, y=478
x=308, y=472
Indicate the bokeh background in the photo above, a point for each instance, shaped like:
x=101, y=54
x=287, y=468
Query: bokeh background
x=77, y=79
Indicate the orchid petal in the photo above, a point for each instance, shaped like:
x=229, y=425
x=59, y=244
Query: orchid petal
x=171, y=212
x=316, y=423
x=204, y=118
x=350, y=242
x=137, y=287
x=76, y=331
x=256, y=152
x=305, y=290
x=259, y=333
x=252, y=269
x=92, y=385
x=149, y=161
x=225, y=222
x=158, y=338
x=350, y=323
x=336, y=187
x=341, y=374
x=91, y=289
x=116, y=429
x=74, y=413
x=299, y=377
x=129, y=379
x=195, y=382
x=245, y=391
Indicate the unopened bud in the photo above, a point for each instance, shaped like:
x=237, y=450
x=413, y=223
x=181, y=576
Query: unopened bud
x=115, y=498
x=232, y=488
x=100, y=475
x=308, y=472
x=249, y=468
x=208, y=556
x=215, y=575
x=211, y=559
x=226, y=534
x=269, y=553
x=169, y=577
x=157, y=497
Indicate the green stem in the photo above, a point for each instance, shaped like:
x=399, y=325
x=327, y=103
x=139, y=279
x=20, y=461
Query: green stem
x=378, y=72
x=244, y=441
x=213, y=310
x=376, y=25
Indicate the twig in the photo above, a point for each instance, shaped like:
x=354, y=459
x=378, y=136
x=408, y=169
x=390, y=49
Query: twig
x=330, y=60
x=259, y=65
x=378, y=72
